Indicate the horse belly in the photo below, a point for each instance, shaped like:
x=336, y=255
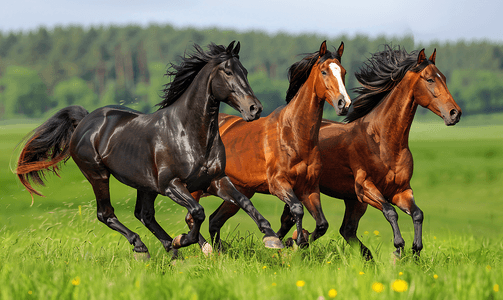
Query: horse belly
x=245, y=160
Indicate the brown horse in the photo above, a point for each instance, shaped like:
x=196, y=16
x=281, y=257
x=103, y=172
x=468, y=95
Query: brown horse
x=279, y=154
x=367, y=160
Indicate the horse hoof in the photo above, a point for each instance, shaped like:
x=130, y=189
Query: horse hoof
x=272, y=242
x=305, y=238
x=207, y=249
x=289, y=243
x=177, y=242
x=141, y=256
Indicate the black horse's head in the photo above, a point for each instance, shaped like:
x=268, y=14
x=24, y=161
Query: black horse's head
x=227, y=79
x=229, y=84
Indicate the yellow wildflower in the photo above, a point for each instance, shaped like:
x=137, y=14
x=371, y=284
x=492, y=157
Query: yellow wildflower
x=488, y=267
x=30, y=292
x=377, y=287
x=365, y=232
x=274, y=284
x=496, y=288
x=435, y=276
x=264, y=267
x=400, y=285
x=400, y=273
x=376, y=232
x=76, y=281
x=332, y=293
x=301, y=283
x=361, y=273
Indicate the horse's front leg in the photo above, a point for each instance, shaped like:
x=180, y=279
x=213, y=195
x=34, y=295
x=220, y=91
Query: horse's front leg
x=367, y=192
x=145, y=212
x=313, y=204
x=177, y=191
x=282, y=189
x=405, y=201
x=203, y=244
x=224, y=189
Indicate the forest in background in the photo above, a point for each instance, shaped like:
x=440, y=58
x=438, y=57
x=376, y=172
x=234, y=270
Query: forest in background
x=46, y=69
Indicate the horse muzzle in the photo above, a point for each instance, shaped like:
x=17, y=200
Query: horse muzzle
x=341, y=105
x=252, y=109
x=452, y=117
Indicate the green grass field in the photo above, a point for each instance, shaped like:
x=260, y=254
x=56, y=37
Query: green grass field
x=55, y=248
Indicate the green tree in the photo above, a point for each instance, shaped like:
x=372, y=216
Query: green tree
x=24, y=93
x=75, y=91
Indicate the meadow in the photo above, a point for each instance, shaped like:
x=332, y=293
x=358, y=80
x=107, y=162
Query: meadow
x=55, y=248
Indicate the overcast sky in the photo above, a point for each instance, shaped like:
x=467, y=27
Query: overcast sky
x=426, y=20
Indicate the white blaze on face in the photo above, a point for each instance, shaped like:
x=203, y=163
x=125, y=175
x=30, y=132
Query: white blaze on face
x=336, y=70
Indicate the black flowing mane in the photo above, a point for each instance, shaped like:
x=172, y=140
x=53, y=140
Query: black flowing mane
x=300, y=71
x=189, y=67
x=379, y=76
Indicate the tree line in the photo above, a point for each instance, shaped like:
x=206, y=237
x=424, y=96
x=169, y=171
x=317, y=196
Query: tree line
x=46, y=69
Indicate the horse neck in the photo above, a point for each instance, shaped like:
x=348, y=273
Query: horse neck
x=392, y=119
x=304, y=113
x=197, y=109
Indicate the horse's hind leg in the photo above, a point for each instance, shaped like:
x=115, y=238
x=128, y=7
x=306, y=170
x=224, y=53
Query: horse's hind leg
x=354, y=211
x=218, y=218
x=106, y=213
x=145, y=212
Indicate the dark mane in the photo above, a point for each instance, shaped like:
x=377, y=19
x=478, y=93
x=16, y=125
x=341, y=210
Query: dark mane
x=190, y=65
x=299, y=71
x=379, y=76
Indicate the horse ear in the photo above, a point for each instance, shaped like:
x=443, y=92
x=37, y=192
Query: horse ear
x=433, y=56
x=236, y=50
x=229, y=48
x=323, y=48
x=421, y=57
x=340, y=50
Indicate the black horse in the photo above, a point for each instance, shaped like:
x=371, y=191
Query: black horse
x=172, y=152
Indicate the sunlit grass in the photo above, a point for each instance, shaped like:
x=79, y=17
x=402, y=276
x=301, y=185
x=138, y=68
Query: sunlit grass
x=57, y=249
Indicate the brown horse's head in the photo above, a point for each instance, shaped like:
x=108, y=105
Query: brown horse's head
x=430, y=91
x=330, y=80
x=230, y=85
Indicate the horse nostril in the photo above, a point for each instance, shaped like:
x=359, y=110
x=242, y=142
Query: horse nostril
x=255, y=109
x=341, y=103
x=454, y=113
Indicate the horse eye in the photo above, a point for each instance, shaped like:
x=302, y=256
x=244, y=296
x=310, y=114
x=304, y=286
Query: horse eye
x=323, y=73
x=228, y=73
x=430, y=80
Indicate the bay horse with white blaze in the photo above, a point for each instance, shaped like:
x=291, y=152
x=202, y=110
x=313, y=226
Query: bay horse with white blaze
x=173, y=151
x=279, y=154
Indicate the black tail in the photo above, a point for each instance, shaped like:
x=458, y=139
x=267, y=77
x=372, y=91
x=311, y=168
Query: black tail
x=47, y=146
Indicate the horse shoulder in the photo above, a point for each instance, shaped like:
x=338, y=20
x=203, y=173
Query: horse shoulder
x=404, y=167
